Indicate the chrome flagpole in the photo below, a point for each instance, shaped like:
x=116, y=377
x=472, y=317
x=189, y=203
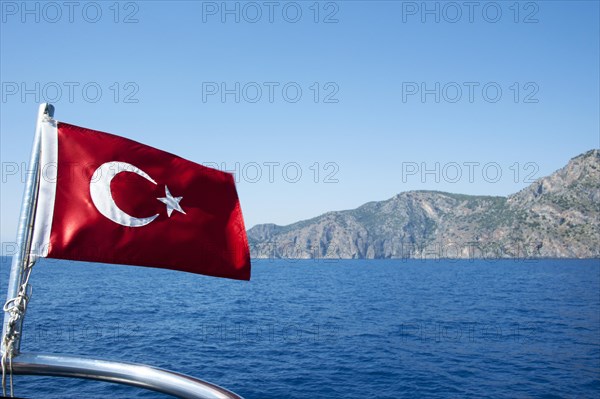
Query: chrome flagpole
x=17, y=292
x=21, y=260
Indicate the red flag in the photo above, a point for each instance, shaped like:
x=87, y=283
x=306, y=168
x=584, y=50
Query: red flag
x=105, y=198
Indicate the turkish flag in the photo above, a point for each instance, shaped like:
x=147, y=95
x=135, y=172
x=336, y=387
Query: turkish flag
x=105, y=198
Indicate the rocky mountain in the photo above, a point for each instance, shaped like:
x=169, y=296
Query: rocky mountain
x=556, y=216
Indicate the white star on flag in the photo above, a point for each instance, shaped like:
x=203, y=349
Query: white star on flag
x=171, y=202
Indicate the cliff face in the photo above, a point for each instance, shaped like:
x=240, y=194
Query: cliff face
x=562, y=209
x=557, y=216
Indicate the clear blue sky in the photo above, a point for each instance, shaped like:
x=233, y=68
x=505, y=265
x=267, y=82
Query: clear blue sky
x=371, y=56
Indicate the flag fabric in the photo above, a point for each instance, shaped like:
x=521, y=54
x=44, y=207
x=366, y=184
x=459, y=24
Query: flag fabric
x=105, y=198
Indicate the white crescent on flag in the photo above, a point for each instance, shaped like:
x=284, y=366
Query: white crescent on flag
x=103, y=199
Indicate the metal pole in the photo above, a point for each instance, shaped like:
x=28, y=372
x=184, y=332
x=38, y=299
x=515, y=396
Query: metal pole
x=21, y=258
x=138, y=375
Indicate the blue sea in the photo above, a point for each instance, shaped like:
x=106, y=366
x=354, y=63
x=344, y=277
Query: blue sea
x=328, y=329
